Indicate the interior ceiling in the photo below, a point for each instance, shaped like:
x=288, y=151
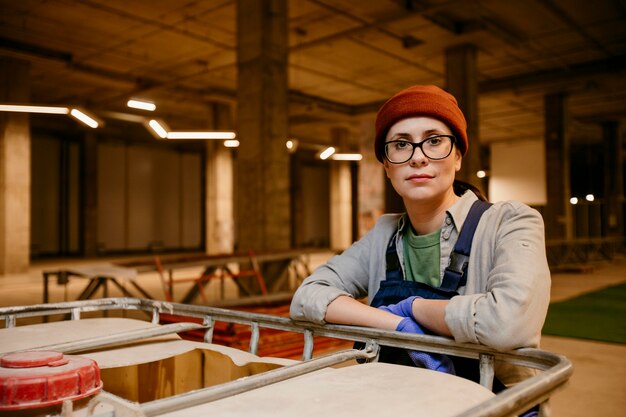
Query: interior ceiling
x=345, y=58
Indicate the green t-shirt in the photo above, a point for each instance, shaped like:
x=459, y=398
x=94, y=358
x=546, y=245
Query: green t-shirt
x=421, y=257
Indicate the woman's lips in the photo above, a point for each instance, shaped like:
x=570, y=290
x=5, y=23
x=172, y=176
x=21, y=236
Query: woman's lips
x=419, y=177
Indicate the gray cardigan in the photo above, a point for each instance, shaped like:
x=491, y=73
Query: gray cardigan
x=505, y=300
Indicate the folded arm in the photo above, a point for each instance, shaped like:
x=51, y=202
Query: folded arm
x=347, y=310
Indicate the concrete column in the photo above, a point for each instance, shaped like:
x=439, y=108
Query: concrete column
x=220, y=230
x=340, y=194
x=462, y=83
x=14, y=170
x=89, y=191
x=558, y=211
x=371, y=180
x=613, y=180
x=263, y=186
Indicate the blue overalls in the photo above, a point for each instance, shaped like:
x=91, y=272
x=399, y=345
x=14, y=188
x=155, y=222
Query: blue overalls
x=395, y=289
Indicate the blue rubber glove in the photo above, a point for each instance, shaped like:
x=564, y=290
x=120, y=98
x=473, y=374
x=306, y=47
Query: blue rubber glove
x=403, y=309
x=533, y=412
x=408, y=325
x=433, y=361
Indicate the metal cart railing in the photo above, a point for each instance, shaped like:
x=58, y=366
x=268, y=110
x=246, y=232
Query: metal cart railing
x=555, y=369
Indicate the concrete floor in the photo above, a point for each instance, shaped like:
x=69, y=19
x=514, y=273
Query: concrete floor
x=597, y=388
x=598, y=385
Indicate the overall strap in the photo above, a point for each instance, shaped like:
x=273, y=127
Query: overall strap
x=455, y=275
x=393, y=271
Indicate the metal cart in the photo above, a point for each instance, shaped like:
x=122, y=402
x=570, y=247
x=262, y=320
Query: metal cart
x=312, y=386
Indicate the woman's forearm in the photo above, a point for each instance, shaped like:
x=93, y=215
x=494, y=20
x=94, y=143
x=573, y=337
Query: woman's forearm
x=431, y=314
x=347, y=310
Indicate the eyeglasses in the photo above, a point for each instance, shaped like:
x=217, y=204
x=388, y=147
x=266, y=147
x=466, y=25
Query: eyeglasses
x=434, y=147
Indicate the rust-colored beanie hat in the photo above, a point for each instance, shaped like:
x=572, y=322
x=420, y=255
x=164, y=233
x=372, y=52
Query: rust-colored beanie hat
x=421, y=100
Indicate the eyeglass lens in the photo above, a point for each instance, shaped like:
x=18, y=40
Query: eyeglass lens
x=434, y=147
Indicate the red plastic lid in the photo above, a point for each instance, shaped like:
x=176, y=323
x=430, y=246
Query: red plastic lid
x=43, y=378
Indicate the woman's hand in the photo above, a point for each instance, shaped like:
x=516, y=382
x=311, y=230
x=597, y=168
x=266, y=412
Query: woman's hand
x=426, y=312
x=403, y=309
x=347, y=310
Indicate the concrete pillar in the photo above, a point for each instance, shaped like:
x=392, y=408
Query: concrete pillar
x=220, y=230
x=613, y=218
x=462, y=83
x=371, y=185
x=14, y=170
x=340, y=194
x=263, y=186
x=558, y=211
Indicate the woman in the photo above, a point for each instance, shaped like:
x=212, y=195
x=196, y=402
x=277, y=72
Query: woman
x=500, y=300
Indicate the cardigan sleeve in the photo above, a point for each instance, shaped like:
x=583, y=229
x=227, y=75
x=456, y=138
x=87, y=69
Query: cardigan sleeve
x=344, y=274
x=507, y=305
x=353, y=273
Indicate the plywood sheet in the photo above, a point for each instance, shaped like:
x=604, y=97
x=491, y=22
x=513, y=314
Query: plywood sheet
x=369, y=389
x=144, y=351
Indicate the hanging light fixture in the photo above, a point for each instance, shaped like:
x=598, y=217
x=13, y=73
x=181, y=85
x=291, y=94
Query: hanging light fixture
x=141, y=105
x=84, y=117
x=78, y=113
x=326, y=153
x=201, y=135
x=158, y=128
x=23, y=108
x=347, y=157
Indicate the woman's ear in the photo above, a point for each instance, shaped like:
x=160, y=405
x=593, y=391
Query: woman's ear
x=386, y=166
x=458, y=160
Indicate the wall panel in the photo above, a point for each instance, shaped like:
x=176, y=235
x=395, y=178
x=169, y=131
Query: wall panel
x=111, y=196
x=45, y=195
x=191, y=200
x=149, y=198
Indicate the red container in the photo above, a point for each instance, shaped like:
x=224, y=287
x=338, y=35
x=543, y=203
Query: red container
x=44, y=378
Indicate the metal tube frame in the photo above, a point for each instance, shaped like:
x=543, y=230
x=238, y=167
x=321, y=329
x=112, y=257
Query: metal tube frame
x=556, y=369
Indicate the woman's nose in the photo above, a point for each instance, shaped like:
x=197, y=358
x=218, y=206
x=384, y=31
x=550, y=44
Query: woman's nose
x=418, y=157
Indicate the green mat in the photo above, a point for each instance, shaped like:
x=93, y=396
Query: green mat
x=599, y=315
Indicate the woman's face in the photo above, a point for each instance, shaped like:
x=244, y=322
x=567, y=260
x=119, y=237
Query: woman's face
x=420, y=178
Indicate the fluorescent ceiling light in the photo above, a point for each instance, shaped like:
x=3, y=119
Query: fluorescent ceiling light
x=232, y=143
x=201, y=135
x=141, y=104
x=347, y=157
x=34, y=109
x=81, y=116
x=327, y=152
x=158, y=128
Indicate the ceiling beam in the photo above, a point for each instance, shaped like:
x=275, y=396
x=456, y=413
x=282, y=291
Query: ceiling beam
x=330, y=105
x=613, y=65
x=417, y=8
x=35, y=50
x=562, y=14
x=175, y=27
x=560, y=76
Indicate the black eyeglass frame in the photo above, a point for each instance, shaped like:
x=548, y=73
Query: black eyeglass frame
x=420, y=145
